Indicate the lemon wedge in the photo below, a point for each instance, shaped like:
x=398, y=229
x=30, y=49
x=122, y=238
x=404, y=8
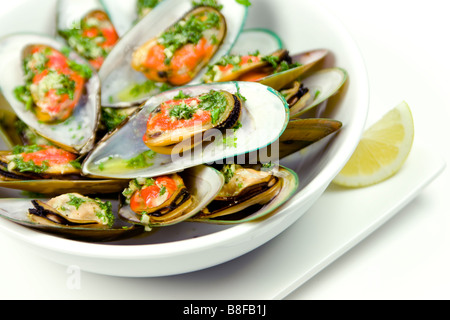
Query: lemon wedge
x=382, y=150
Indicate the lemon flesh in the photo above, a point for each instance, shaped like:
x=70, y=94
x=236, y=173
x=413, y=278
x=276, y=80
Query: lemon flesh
x=382, y=150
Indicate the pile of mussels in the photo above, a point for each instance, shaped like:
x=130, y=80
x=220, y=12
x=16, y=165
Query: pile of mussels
x=159, y=108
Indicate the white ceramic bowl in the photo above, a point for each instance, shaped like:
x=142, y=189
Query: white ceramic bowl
x=187, y=247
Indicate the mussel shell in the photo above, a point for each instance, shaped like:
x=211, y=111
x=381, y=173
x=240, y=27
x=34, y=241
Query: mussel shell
x=53, y=187
x=289, y=185
x=322, y=85
x=117, y=74
x=16, y=210
x=301, y=133
x=307, y=60
x=203, y=184
x=77, y=134
x=264, y=117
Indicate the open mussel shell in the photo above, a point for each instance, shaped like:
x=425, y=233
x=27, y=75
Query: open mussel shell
x=117, y=73
x=203, y=184
x=322, y=85
x=77, y=133
x=259, y=206
x=17, y=210
x=307, y=60
x=264, y=116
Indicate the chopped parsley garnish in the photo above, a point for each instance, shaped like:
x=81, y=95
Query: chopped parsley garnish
x=112, y=117
x=105, y=214
x=268, y=165
x=76, y=164
x=143, y=160
x=143, y=6
x=75, y=201
x=316, y=94
x=214, y=102
x=23, y=94
x=240, y=96
x=279, y=66
x=237, y=126
x=163, y=190
x=209, y=3
x=246, y=3
x=228, y=171
x=181, y=95
x=182, y=111
x=147, y=87
x=187, y=31
x=28, y=166
x=26, y=149
x=82, y=69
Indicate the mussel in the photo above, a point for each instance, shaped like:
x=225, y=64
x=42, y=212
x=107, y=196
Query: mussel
x=87, y=29
x=49, y=170
x=171, y=45
x=250, y=193
x=276, y=70
x=179, y=53
x=308, y=92
x=182, y=118
x=56, y=96
x=169, y=199
x=38, y=162
x=53, y=83
x=122, y=154
x=71, y=216
x=73, y=209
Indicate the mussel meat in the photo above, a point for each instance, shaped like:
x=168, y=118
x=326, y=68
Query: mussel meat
x=93, y=36
x=184, y=117
x=250, y=192
x=160, y=199
x=38, y=162
x=178, y=54
x=54, y=84
x=73, y=210
x=244, y=187
x=169, y=199
x=71, y=215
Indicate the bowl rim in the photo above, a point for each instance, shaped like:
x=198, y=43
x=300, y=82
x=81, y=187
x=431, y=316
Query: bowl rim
x=236, y=233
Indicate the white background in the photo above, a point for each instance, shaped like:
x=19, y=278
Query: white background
x=406, y=47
